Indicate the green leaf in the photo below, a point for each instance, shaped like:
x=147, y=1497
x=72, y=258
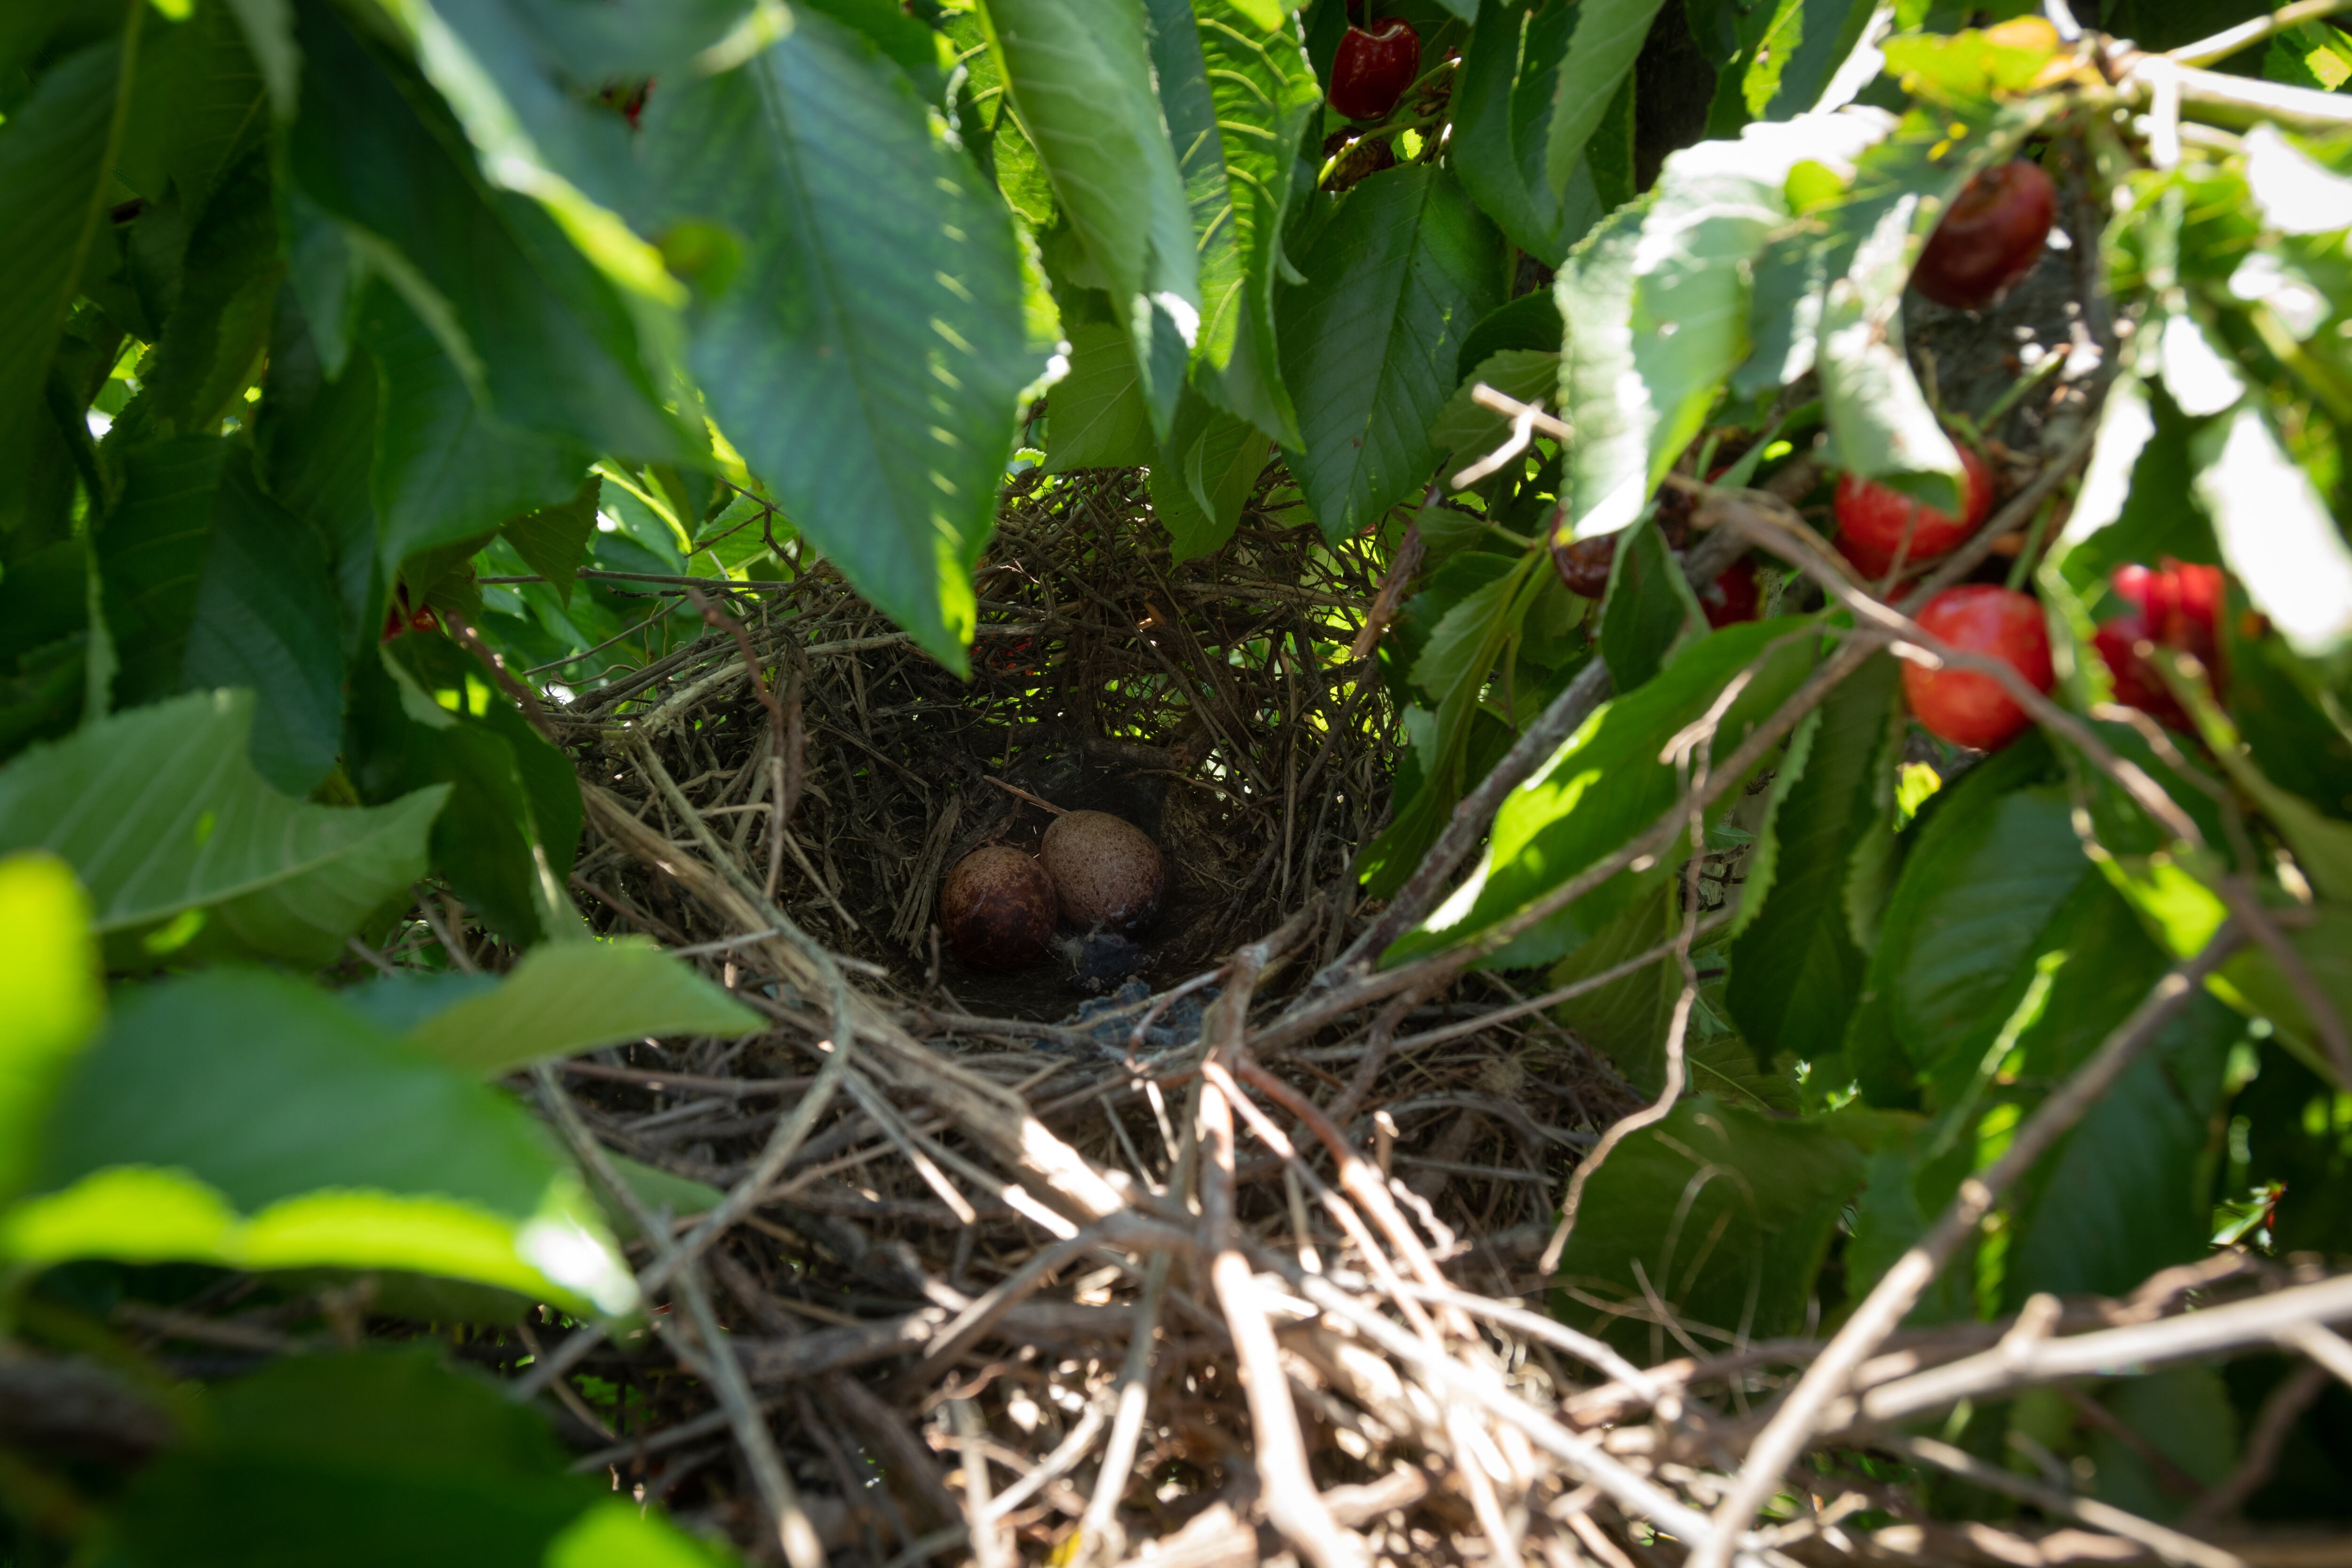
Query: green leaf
x=1464, y=430
x=1237, y=93
x=553, y=540
x=1564, y=818
x=1503, y=108
x=50, y=998
x=2183, y=1413
x=2312, y=55
x=546, y=340
x=1609, y=34
x=577, y=996
x=268, y=27
x=1649, y=609
x=1796, y=973
x=1994, y=865
x=1803, y=48
x=379, y=1459
x=511, y=72
x=425, y=714
x=1204, y=477
x=239, y=1117
x=1628, y=1017
x=1726, y=1214
x=1462, y=647
x=220, y=318
x=1080, y=73
x=2253, y=981
x=1404, y=269
x=447, y=471
x=159, y=813
x=1658, y=302
x=197, y=108
x=209, y=582
x=1530, y=321
x=867, y=365
x=1095, y=415
x=2275, y=532
x=1828, y=290
x=314, y=450
x=2128, y=1191
x=43, y=643
x=57, y=155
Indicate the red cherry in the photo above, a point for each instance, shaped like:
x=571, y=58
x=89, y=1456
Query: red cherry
x=2137, y=685
x=1962, y=706
x=1372, y=68
x=1871, y=519
x=1584, y=564
x=1734, y=596
x=1991, y=238
x=2180, y=604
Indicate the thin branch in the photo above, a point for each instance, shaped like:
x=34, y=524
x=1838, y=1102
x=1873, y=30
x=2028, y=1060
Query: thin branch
x=1898, y=1290
x=2186, y=1550
x=2246, y=35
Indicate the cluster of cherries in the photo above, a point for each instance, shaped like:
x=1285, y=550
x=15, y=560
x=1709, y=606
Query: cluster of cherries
x=1991, y=238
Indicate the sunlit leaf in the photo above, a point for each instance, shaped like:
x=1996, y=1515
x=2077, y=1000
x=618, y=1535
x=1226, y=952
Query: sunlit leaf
x=372, y=1154
x=571, y=997
x=867, y=357
x=1401, y=272
x=160, y=814
x=50, y=997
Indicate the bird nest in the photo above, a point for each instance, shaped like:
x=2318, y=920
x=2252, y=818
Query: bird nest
x=1212, y=702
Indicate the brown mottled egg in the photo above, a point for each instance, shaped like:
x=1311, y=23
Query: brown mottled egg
x=1106, y=871
x=996, y=906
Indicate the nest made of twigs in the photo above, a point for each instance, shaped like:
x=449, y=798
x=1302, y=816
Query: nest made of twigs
x=1212, y=702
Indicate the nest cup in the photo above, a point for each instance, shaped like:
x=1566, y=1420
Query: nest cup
x=1212, y=703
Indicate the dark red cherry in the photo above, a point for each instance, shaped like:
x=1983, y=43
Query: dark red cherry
x=1373, y=67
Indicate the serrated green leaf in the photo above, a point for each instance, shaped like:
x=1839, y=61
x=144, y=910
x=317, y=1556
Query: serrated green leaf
x=1649, y=609
x=1465, y=430
x=1461, y=649
x=50, y=998
x=1095, y=417
x=1401, y=272
x=1236, y=100
x=1796, y=972
x=370, y=1155
x=1800, y=51
x=1997, y=859
x=2126, y=1194
x=159, y=813
x=1204, y=477
x=867, y=364
x=579, y=996
x=1080, y=73
x=269, y=37
x=56, y=155
x=1829, y=290
x=1503, y=110
x=507, y=836
x=511, y=72
x=208, y=582
x=1609, y=34
x=548, y=342
x=198, y=107
x=314, y=450
x=1606, y=784
x=553, y=540
x=447, y=471
x=1628, y=1017
x=1659, y=303
x=1728, y=1215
